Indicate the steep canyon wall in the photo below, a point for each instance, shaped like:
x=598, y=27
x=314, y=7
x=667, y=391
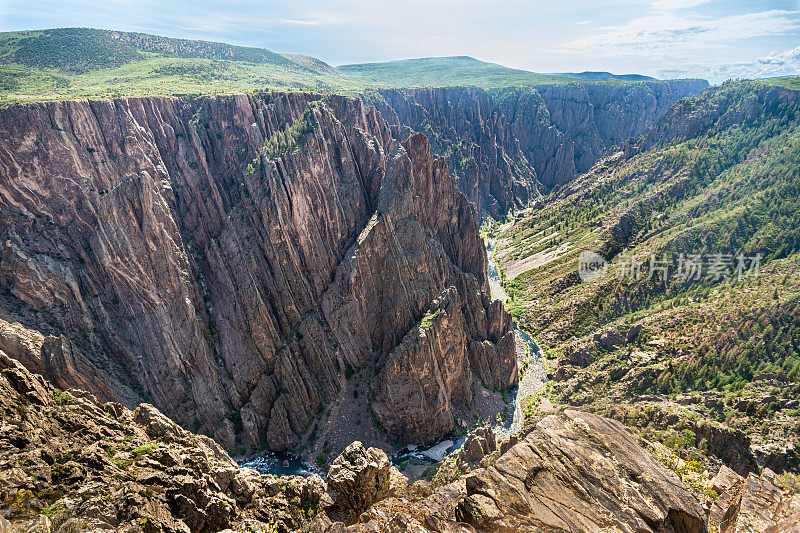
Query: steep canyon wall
x=236, y=259
x=503, y=144
x=232, y=259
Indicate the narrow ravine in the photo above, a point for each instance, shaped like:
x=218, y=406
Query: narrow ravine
x=280, y=464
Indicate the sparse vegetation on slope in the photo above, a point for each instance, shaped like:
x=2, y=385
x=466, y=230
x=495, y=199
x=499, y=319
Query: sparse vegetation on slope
x=716, y=179
x=84, y=62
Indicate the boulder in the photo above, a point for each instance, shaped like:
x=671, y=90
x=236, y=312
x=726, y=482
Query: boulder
x=479, y=444
x=155, y=423
x=244, y=484
x=609, y=338
x=32, y=387
x=40, y=524
x=725, y=480
x=633, y=332
x=358, y=478
x=578, y=355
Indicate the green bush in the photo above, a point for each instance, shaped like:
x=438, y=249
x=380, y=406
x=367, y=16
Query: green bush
x=144, y=449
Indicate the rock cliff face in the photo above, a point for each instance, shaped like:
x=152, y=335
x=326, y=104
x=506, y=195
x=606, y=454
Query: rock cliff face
x=233, y=259
x=468, y=129
x=722, y=108
x=502, y=145
x=549, y=482
x=564, y=129
x=70, y=462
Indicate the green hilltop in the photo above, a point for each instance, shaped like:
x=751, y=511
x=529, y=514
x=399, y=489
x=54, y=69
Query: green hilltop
x=83, y=62
x=447, y=72
x=95, y=63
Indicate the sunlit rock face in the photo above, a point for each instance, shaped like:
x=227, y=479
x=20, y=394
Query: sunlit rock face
x=232, y=259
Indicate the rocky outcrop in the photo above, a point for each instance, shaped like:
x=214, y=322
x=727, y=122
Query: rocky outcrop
x=358, y=478
x=467, y=128
x=233, y=259
x=479, y=444
x=721, y=107
x=69, y=462
x=564, y=129
x=441, y=351
x=579, y=472
x=752, y=505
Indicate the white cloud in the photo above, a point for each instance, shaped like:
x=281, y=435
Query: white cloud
x=789, y=59
x=772, y=65
x=665, y=34
x=677, y=4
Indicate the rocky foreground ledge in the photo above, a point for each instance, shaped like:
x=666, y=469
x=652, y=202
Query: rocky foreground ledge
x=71, y=463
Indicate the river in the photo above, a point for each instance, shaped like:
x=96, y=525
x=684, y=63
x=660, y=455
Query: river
x=535, y=379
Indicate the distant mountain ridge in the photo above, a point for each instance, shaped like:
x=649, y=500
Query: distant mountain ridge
x=96, y=63
x=605, y=76
x=451, y=71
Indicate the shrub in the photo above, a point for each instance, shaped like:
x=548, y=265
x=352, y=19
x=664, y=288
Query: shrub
x=144, y=449
x=789, y=482
x=429, y=318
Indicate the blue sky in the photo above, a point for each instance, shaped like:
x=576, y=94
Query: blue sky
x=715, y=39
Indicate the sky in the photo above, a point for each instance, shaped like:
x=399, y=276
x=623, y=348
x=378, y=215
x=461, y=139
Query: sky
x=713, y=39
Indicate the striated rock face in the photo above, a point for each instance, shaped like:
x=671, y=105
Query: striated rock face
x=564, y=129
x=579, y=472
x=501, y=145
x=468, y=129
x=446, y=356
x=232, y=259
x=549, y=150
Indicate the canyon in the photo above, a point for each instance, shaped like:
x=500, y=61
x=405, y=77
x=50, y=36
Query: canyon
x=185, y=278
x=236, y=260
x=168, y=258
x=504, y=145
